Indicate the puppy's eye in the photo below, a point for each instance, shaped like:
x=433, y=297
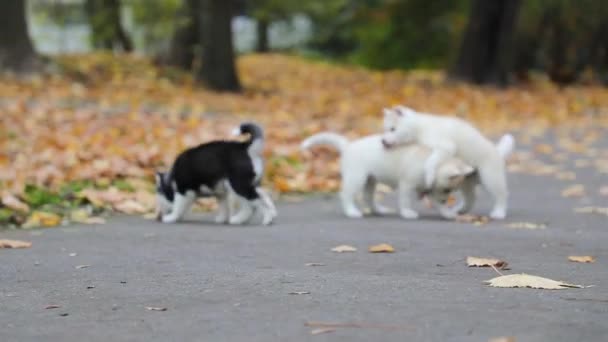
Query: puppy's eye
x=392, y=129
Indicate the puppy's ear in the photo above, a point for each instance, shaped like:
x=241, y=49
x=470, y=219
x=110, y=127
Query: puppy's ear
x=387, y=112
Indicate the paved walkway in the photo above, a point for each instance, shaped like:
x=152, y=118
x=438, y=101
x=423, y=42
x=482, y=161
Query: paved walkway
x=222, y=283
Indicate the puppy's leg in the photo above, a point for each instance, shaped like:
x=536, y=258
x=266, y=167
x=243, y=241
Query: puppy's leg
x=493, y=178
x=181, y=203
x=223, y=213
x=353, y=182
x=445, y=211
x=249, y=200
x=406, y=193
x=265, y=197
x=468, y=196
x=370, y=201
x=438, y=156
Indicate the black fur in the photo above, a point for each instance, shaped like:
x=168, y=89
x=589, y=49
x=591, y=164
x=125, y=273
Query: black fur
x=210, y=163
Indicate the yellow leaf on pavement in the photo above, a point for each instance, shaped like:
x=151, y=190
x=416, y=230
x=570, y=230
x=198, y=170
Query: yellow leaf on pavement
x=582, y=258
x=344, y=248
x=486, y=262
x=529, y=281
x=14, y=244
x=381, y=248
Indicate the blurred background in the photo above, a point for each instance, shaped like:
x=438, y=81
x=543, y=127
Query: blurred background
x=498, y=41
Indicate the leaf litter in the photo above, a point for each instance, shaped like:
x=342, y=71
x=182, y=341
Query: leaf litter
x=487, y=262
x=529, y=281
x=344, y=249
x=4, y=243
x=78, y=148
x=581, y=258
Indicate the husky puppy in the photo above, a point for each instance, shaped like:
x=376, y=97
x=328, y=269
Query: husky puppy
x=222, y=169
x=452, y=137
x=366, y=162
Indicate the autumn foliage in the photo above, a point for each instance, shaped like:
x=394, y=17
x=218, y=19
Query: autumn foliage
x=91, y=134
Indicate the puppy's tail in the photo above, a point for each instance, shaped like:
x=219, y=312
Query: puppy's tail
x=254, y=130
x=326, y=138
x=505, y=145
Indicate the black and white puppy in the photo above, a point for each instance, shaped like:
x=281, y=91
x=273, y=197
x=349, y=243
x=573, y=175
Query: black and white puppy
x=223, y=169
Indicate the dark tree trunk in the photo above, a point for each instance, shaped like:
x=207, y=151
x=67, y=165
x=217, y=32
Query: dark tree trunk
x=486, y=51
x=106, y=29
x=262, y=35
x=218, y=70
x=185, y=38
x=16, y=50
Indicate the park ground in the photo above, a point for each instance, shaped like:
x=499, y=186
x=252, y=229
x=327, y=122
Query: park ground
x=252, y=283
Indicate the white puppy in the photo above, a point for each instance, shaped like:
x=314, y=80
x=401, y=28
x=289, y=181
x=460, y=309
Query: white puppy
x=366, y=162
x=449, y=137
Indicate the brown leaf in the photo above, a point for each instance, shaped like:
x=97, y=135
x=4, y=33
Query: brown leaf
x=343, y=249
x=486, y=262
x=474, y=219
x=42, y=219
x=381, y=248
x=14, y=244
x=526, y=225
x=576, y=190
x=322, y=331
x=12, y=202
x=529, y=281
x=582, y=258
x=153, y=308
x=52, y=306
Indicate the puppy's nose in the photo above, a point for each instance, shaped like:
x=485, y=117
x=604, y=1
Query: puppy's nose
x=386, y=144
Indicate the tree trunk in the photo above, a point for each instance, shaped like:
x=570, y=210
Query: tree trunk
x=486, y=50
x=185, y=38
x=218, y=69
x=262, y=35
x=106, y=28
x=16, y=50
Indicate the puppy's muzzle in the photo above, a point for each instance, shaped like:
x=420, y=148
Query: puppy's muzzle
x=386, y=144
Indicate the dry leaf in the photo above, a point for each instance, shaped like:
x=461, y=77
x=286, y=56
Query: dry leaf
x=322, y=331
x=529, y=281
x=42, y=219
x=130, y=207
x=12, y=202
x=592, y=210
x=486, y=262
x=83, y=216
x=526, y=225
x=14, y=244
x=52, y=306
x=314, y=264
x=299, y=292
x=474, y=219
x=344, y=248
x=82, y=266
x=582, y=258
x=502, y=339
x=576, y=190
x=381, y=248
x=152, y=308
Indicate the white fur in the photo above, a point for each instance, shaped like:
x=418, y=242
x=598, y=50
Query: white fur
x=255, y=153
x=448, y=137
x=366, y=162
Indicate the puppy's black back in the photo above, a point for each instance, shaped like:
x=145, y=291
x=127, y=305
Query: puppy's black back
x=209, y=163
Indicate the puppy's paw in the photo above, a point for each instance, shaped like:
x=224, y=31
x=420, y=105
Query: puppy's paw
x=498, y=214
x=409, y=214
x=353, y=213
x=382, y=210
x=221, y=219
x=169, y=219
x=448, y=213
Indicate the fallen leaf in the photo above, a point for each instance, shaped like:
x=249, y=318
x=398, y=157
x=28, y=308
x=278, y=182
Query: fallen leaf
x=486, y=262
x=381, y=248
x=576, y=190
x=334, y=325
x=582, y=258
x=64, y=314
x=344, y=248
x=83, y=216
x=299, y=292
x=474, y=219
x=52, y=306
x=130, y=207
x=12, y=202
x=592, y=210
x=14, y=244
x=322, y=331
x=153, y=308
x=82, y=266
x=314, y=264
x=528, y=281
x=526, y=225
x=502, y=339
x=42, y=219
x=566, y=175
